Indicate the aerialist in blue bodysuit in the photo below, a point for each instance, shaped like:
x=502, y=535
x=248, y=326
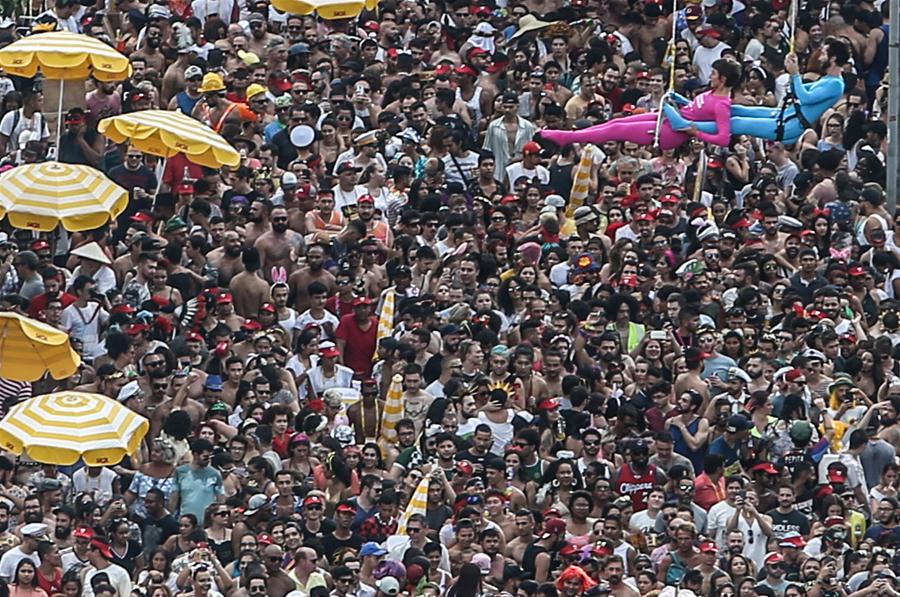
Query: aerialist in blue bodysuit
x=813, y=99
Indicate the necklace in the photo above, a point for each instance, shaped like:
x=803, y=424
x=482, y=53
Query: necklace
x=362, y=420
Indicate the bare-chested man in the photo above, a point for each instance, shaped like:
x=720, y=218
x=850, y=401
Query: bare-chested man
x=690, y=379
x=258, y=222
x=227, y=258
x=365, y=415
x=225, y=312
x=655, y=26
x=193, y=408
x=174, y=81
x=313, y=272
x=515, y=549
x=248, y=287
x=279, y=246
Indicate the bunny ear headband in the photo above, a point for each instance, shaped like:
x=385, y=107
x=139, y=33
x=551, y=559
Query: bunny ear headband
x=279, y=275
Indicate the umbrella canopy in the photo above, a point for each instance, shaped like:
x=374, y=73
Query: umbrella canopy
x=64, y=56
x=42, y=196
x=65, y=427
x=329, y=10
x=30, y=349
x=164, y=134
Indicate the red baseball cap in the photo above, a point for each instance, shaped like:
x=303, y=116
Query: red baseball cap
x=361, y=300
x=142, y=217
x=194, y=336
x=40, y=245
x=83, y=532
x=465, y=69
x=223, y=298
x=765, y=467
x=123, y=308
x=530, y=148
x=553, y=526
x=139, y=328
x=330, y=352
x=312, y=500
x=348, y=508
x=366, y=199
x=857, y=270
x=709, y=547
x=103, y=546
x=268, y=307
x=549, y=404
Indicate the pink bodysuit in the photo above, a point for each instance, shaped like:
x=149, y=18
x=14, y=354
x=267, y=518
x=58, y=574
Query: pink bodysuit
x=640, y=128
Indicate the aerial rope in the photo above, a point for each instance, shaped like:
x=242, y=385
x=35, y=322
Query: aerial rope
x=670, y=57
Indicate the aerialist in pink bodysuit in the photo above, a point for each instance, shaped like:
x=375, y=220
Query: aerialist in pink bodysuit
x=713, y=105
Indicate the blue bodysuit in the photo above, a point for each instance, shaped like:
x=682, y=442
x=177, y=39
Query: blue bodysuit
x=762, y=121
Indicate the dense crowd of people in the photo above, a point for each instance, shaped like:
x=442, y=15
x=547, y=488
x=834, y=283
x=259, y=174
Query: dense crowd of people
x=629, y=370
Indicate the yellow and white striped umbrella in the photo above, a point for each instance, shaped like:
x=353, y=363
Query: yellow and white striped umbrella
x=393, y=410
x=417, y=504
x=581, y=177
x=30, y=349
x=165, y=133
x=61, y=55
x=42, y=196
x=386, y=317
x=65, y=427
x=329, y=10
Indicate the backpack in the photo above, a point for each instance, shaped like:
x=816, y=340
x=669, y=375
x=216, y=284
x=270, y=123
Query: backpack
x=676, y=570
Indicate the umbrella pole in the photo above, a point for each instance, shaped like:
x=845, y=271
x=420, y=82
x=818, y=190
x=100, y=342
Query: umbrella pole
x=59, y=116
x=162, y=172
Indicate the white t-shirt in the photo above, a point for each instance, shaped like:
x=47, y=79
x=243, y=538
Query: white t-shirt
x=84, y=324
x=343, y=378
x=515, y=171
x=13, y=127
x=717, y=521
x=704, y=58
x=118, y=578
x=105, y=278
x=468, y=163
x=100, y=486
x=344, y=198
x=307, y=318
x=10, y=561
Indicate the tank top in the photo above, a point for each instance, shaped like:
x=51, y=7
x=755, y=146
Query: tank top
x=754, y=540
x=528, y=557
x=474, y=103
x=636, y=486
x=681, y=447
x=185, y=103
x=880, y=63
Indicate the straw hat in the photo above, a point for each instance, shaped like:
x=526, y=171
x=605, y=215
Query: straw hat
x=93, y=252
x=529, y=23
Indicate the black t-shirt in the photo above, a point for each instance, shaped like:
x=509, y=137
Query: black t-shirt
x=575, y=422
x=332, y=543
x=785, y=523
x=143, y=178
x=287, y=153
x=327, y=528
x=70, y=151
x=155, y=532
x=437, y=517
